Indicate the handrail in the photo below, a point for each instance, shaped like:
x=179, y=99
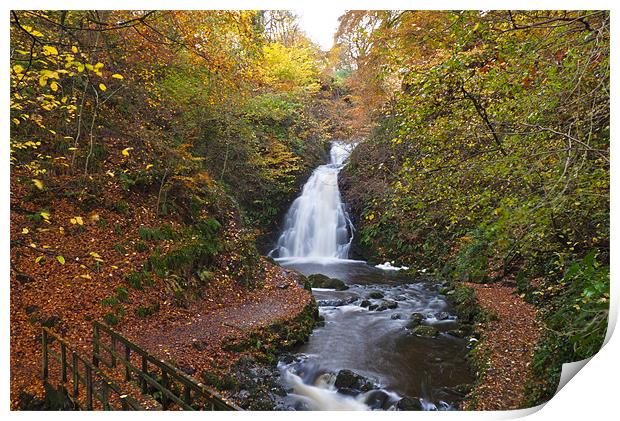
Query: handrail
x=193, y=391
x=100, y=391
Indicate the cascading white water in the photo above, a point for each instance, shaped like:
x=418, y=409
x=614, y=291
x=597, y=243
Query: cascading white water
x=316, y=225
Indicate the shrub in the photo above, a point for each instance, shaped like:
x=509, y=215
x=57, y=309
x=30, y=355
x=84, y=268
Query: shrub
x=165, y=232
x=110, y=319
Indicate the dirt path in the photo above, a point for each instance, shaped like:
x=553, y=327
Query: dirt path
x=192, y=338
x=509, y=342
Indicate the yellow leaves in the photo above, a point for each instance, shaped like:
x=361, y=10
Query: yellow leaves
x=42, y=80
x=125, y=151
x=60, y=259
x=25, y=231
x=74, y=49
x=38, y=184
x=149, y=166
x=86, y=276
x=103, y=87
x=32, y=31
x=18, y=69
x=117, y=76
x=38, y=259
x=77, y=220
x=96, y=256
x=54, y=86
x=95, y=217
x=48, y=50
x=45, y=216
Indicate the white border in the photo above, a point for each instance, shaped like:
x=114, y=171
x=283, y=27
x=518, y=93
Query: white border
x=591, y=394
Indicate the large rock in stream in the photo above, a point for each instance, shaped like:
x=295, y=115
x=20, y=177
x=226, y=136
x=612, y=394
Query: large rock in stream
x=409, y=404
x=425, y=331
x=347, y=380
x=321, y=281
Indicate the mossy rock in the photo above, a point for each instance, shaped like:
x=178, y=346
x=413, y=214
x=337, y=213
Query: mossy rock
x=425, y=331
x=321, y=281
x=409, y=404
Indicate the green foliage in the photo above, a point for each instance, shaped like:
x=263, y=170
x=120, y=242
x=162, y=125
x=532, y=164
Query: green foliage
x=145, y=311
x=119, y=248
x=164, y=232
x=492, y=161
x=122, y=207
x=110, y=318
x=138, y=280
x=577, y=318
x=122, y=294
x=140, y=246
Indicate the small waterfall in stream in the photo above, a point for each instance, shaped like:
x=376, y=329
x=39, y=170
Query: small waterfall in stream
x=316, y=225
x=366, y=326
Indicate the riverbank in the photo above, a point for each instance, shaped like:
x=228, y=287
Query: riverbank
x=154, y=277
x=508, y=329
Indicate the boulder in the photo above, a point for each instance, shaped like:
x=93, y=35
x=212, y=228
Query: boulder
x=347, y=379
x=376, y=295
x=373, y=307
x=409, y=404
x=415, y=320
x=365, y=303
x=425, y=331
x=443, y=315
x=321, y=281
x=390, y=304
x=377, y=399
x=459, y=333
x=335, y=302
x=395, y=316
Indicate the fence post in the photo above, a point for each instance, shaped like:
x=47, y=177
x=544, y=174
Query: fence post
x=89, y=388
x=187, y=395
x=145, y=369
x=45, y=355
x=96, y=345
x=76, y=380
x=112, y=357
x=164, y=383
x=63, y=362
x=127, y=362
x=105, y=395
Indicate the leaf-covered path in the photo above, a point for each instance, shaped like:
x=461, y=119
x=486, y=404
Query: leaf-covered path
x=192, y=338
x=508, y=343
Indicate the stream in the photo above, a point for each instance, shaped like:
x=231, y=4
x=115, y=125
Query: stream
x=367, y=330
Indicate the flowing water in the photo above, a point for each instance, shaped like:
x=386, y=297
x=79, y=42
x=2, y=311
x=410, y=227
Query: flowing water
x=375, y=344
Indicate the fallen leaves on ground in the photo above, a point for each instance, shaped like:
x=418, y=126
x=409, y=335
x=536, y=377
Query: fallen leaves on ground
x=508, y=345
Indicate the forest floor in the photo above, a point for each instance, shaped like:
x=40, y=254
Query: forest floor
x=508, y=342
x=66, y=274
x=194, y=338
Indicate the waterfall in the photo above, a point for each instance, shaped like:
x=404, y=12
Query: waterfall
x=317, y=226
